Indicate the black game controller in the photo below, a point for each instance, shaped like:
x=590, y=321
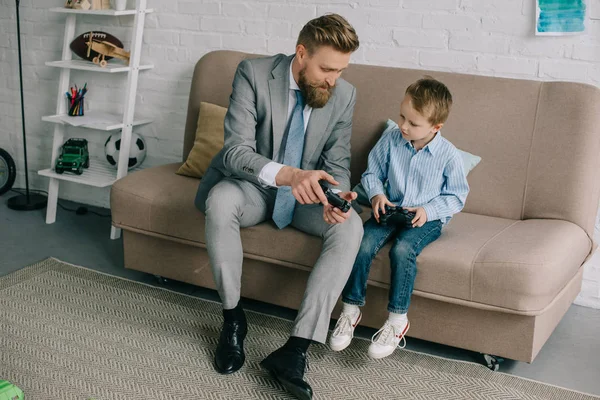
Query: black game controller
x=335, y=200
x=396, y=216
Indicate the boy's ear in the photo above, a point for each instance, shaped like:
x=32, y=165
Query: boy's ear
x=437, y=127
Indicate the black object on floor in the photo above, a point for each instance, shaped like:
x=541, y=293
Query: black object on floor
x=81, y=210
x=8, y=171
x=27, y=201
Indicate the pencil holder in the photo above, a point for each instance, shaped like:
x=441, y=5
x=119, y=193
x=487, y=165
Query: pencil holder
x=76, y=106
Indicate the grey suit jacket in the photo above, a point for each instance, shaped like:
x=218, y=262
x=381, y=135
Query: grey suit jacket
x=256, y=121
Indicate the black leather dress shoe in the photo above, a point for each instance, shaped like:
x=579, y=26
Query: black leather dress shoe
x=288, y=366
x=230, y=356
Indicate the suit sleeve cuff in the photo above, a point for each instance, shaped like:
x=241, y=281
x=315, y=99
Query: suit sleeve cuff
x=267, y=175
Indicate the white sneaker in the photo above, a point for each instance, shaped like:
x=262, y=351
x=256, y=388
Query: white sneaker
x=387, y=339
x=344, y=331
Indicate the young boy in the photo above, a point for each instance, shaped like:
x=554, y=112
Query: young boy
x=425, y=176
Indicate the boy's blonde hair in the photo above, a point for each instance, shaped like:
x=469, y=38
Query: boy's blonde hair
x=431, y=98
x=328, y=30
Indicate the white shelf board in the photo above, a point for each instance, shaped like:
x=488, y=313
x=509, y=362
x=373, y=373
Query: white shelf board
x=90, y=66
x=97, y=12
x=99, y=174
x=116, y=121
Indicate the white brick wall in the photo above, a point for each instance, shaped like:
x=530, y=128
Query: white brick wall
x=491, y=37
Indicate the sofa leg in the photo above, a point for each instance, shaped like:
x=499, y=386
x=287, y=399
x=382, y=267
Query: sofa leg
x=160, y=280
x=490, y=361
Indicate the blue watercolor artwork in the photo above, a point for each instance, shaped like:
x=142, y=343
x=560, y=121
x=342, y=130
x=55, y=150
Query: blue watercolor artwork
x=560, y=17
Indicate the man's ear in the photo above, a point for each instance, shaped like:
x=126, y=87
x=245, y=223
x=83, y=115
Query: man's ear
x=301, y=52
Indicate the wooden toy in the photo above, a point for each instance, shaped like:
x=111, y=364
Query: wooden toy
x=80, y=45
x=88, y=4
x=105, y=49
x=100, y=4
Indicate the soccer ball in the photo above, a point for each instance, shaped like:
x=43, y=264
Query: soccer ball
x=137, y=151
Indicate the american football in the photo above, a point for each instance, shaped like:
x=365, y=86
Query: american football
x=79, y=45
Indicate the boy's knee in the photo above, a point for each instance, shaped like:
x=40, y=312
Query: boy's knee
x=402, y=251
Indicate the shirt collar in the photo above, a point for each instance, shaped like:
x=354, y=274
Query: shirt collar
x=431, y=146
x=434, y=145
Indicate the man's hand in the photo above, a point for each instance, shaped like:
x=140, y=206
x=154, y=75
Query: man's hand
x=305, y=184
x=420, y=216
x=333, y=215
x=378, y=203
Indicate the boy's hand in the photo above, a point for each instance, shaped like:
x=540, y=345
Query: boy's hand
x=333, y=215
x=378, y=203
x=420, y=216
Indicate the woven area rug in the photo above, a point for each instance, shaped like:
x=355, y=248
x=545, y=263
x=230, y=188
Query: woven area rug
x=68, y=332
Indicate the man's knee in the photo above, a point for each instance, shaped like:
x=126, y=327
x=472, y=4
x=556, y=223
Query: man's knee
x=356, y=227
x=224, y=199
x=351, y=231
x=204, y=189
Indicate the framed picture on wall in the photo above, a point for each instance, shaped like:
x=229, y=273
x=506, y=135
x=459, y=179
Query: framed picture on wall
x=560, y=17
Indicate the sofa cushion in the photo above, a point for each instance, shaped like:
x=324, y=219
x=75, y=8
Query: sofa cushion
x=157, y=201
x=515, y=265
x=160, y=201
x=209, y=140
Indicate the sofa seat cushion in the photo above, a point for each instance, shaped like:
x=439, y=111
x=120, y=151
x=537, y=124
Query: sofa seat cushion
x=515, y=265
x=158, y=201
x=487, y=261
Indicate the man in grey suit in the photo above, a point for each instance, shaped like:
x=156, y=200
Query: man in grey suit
x=288, y=126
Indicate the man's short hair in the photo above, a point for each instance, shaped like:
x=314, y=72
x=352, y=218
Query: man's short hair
x=328, y=30
x=431, y=98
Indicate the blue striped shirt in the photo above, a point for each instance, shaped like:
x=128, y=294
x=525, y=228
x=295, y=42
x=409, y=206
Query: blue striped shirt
x=432, y=178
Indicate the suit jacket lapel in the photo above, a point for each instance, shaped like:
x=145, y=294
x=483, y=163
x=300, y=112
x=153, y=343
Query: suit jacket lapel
x=315, y=131
x=279, y=87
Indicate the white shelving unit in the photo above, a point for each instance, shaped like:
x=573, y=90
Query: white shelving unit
x=114, y=13
x=84, y=65
x=115, y=122
x=99, y=174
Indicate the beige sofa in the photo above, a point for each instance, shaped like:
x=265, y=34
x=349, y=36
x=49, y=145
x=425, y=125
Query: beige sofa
x=504, y=271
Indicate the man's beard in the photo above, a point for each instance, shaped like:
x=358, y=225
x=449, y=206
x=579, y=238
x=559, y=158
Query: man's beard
x=313, y=93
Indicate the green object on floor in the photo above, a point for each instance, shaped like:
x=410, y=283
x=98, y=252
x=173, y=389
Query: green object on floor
x=8, y=391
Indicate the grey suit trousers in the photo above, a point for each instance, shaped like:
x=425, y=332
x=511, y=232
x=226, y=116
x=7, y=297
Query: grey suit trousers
x=236, y=203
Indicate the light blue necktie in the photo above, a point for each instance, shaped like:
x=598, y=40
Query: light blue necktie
x=283, y=211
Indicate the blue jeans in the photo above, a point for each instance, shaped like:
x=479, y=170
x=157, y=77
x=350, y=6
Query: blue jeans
x=408, y=244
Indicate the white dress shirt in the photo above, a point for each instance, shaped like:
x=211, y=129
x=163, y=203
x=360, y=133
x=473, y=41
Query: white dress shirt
x=269, y=172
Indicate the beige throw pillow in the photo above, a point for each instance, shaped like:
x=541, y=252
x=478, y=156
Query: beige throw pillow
x=209, y=140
